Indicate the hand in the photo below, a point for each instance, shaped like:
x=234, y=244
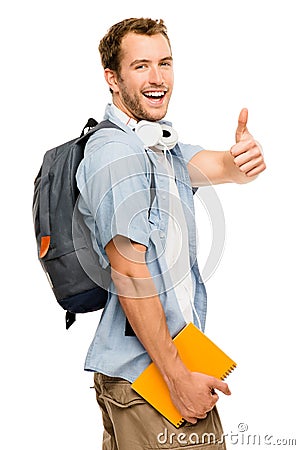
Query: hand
x=247, y=153
x=194, y=394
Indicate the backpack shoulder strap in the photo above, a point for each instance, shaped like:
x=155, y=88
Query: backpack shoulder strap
x=92, y=125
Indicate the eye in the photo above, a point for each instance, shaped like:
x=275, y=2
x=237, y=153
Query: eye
x=140, y=66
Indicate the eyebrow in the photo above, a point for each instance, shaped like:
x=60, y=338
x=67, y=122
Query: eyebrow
x=140, y=61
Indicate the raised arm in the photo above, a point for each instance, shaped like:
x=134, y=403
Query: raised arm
x=241, y=164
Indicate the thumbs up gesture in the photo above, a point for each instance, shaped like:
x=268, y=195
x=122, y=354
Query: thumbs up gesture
x=247, y=152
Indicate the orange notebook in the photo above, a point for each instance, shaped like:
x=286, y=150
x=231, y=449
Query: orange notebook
x=199, y=354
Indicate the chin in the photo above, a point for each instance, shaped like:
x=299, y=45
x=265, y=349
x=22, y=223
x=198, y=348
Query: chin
x=156, y=115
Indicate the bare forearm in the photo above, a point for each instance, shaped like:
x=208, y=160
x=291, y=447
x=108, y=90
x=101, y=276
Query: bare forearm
x=209, y=167
x=241, y=164
x=191, y=392
x=147, y=319
x=138, y=297
x=217, y=167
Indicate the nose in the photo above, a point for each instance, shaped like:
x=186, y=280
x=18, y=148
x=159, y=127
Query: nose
x=156, y=76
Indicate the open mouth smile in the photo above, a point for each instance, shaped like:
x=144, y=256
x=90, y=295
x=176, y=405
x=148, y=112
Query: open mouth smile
x=155, y=97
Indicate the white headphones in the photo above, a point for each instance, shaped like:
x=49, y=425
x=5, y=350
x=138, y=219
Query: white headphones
x=157, y=135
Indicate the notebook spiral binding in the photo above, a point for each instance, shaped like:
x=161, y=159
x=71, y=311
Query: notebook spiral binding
x=180, y=422
x=231, y=368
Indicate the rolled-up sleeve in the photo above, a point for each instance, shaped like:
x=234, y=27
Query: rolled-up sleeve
x=115, y=188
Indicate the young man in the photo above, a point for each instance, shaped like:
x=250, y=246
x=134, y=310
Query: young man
x=149, y=242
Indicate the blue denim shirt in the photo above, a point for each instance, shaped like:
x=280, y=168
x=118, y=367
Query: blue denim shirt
x=114, y=180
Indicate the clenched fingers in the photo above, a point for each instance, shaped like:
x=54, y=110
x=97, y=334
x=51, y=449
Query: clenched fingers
x=248, y=157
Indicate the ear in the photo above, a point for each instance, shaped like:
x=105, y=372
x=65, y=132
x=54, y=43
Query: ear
x=111, y=79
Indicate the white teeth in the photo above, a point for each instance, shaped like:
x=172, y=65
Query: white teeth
x=154, y=94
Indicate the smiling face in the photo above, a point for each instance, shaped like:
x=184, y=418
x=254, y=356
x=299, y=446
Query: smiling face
x=144, y=84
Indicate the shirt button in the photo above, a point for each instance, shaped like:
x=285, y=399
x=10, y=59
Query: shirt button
x=164, y=196
x=161, y=234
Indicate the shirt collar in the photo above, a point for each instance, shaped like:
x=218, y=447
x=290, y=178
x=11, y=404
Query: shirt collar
x=123, y=117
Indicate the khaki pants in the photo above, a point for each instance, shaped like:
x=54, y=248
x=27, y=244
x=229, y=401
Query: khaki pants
x=130, y=423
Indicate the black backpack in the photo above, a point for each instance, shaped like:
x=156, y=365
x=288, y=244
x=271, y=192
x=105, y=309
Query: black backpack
x=54, y=202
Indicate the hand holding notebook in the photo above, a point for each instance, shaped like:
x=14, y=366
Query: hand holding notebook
x=194, y=394
x=199, y=354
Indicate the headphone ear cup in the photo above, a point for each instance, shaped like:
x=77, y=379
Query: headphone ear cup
x=169, y=138
x=149, y=132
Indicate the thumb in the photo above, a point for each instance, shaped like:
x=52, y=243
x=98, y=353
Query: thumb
x=242, y=125
x=221, y=386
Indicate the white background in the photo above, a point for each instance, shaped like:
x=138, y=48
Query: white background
x=228, y=54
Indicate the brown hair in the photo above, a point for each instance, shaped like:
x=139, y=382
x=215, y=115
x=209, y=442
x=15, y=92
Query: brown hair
x=110, y=45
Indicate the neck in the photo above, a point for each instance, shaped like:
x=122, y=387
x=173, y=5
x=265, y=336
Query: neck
x=124, y=117
x=123, y=108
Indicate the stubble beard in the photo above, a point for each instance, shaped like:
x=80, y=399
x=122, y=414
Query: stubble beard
x=133, y=104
